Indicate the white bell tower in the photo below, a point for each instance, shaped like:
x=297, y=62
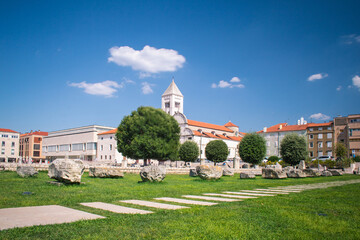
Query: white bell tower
x=172, y=101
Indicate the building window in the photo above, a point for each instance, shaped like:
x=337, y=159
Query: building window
x=320, y=128
x=329, y=144
x=3, y=144
x=329, y=128
x=167, y=104
x=13, y=136
x=101, y=157
x=12, y=151
x=105, y=157
x=110, y=137
x=311, y=154
x=311, y=129
x=320, y=144
x=177, y=104
x=276, y=143
x=311, y=136
x=91, y=146
x=320, y=136
x=36, y=153
x=329, y=135
x=110, y=157
x=5, y=136
x=3, y=151
x=77, y=146
x=329, y=153
x=101, y=147
x=320, y=153
x=52, y=148
x=36, y=146
x=64, y=148
x=12, y=144
x=311, y=144
x=110, y=147
x=355, y=120
x=268, y=143
x=44, y=148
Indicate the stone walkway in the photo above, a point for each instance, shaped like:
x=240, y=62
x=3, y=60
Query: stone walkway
x=54, y=214
x=41, y=215
x=115, y=208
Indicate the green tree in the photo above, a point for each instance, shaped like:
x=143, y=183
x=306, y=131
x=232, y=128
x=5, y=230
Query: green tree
x=252, y=148
x=293, y=149
x=341, y=151
x=273, y=158
x=189, y=151
x=148, y=133
x=216, y=151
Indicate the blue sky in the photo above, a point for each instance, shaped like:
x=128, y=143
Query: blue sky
x=66, y=64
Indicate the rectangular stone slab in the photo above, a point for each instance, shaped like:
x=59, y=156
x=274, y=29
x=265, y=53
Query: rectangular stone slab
x=186, y=201
x=250, y=194
x=115, y=208
x=154, y=204
x=275, y=190
x=228, y=195
x=41, y=215
x=265, y=192
x=212, y=198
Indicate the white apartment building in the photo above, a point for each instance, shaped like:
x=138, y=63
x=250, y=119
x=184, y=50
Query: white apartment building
x=275, y=134
x=73, y=143
x=107, y=147
x=9, y=148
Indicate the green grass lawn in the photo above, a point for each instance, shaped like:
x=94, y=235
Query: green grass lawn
x=331, y=213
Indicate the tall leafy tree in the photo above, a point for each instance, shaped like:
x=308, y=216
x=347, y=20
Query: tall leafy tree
x=148, y=133
x=189, y=151
x=216, y=151
x=293, y=149
x=341, y=151
x=252, y=148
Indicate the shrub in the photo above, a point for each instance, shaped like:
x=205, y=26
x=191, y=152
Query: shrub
x=216, y=151
x=189, y=151
x=273, y=158
x=293, y=149
x=356, y=159
x=340, y=150
x=252, y=148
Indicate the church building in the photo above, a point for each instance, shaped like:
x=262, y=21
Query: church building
x=172, y=102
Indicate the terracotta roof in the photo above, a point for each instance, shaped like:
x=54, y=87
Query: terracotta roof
x=320, y=124
x=35, y=133
x=108, y=132
x=235, y=138
x=285, y=128
x=208, y=125
x=210, y=135
x=230, y=124
x=7, y=130
x=243, y=133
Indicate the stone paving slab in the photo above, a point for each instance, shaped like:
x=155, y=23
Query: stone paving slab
x=251, y=194
x=154, y=204
x=275, y=190
x=115, y=208
x=186, y=201
x=41, y=215
x=228, y=195
x=265, y=192
x=212, y=198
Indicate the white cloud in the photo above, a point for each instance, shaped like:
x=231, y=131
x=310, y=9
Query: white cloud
x=146, y=88
x=356, y=81
x=225, y=84
x=338, y=88
x=350, y=39
x=106, y=88
x=147, y=60
x=317, y=76
x=320, y=116
x=144, y=75
x=235, y=79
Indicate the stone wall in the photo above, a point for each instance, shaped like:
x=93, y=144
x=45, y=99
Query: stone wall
x=169, y=170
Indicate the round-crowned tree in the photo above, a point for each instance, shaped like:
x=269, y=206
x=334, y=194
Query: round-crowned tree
x=273, y=158
x=189, y=151
x=340, y=151
x=216, y=151
x=148, y=133
x=252, y=148
x=293, y=149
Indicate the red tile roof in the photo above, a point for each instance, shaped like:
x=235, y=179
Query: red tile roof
x=208, y=125
x=108, y=132
x=285, y=128
x=320, y=124
x=210, y=135
x=235, y=138
x=230, y=124
x=35, y=133
x=7, y=130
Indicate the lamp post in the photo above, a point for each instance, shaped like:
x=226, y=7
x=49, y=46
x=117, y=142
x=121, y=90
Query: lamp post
x=200, y=131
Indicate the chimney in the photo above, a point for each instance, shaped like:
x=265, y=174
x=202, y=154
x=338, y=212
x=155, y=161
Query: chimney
x=298, y=122
x=280, y=127
x=265, y=129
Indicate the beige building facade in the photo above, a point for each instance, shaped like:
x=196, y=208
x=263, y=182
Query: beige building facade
x=320, y=138
x=31, y=146
x=9, y=148
x=347, y=131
